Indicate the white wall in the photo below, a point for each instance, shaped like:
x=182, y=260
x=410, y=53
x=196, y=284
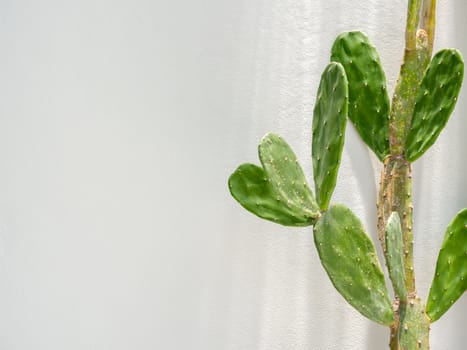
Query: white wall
x=120, y=122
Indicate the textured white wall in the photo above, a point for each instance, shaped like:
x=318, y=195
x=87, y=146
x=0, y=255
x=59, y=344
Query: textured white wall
x=120, y=122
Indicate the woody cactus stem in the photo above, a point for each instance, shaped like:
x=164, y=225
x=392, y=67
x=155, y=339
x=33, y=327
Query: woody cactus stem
x=428, y=21
x=396, y=180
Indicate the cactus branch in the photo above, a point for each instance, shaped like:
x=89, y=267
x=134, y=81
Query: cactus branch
x=418, y=47
x=396, y=192
x=428, y=21
x=405, y=94
x=413, y=19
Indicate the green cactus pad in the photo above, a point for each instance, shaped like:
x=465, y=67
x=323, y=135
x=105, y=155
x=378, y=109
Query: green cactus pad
x=450, y=280
x=329, y=121
x=279, y=191
x=368, y=97
x=395, y=256
x=415, y=327
x=285, y=174
x=349, y=258
x=435, y=101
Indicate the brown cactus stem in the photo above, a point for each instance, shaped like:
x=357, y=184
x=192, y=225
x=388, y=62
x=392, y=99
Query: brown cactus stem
x=396, y=178
x=413, y=21
x=394, y=329
x=396, y=195
x=428, y=21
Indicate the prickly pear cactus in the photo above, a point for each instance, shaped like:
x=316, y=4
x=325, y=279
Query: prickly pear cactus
x=353, y=85
x=368, y=97
x=395, y=255
x=349, y=258
x=415, y=326
x=450, y=280
x=329, y=121
x=278, y=191
x=436, y=99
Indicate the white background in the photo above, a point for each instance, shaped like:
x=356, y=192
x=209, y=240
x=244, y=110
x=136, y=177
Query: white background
x=120, y=122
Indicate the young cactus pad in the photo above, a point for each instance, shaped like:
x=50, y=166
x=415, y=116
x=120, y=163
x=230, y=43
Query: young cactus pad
x=415, y=327
x=329, y=121
x=349, y=258
x=436, y=99
x=450, y=280
x=394, y=255
x=277, y=192
x=368, y=97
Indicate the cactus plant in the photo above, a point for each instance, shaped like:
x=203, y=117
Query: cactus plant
x=349, y=257
x=329, y=120
x=394, y=255
x=436, y=99
x=278, y=191
x=369, y=101
x=450, y=279
x=353, y=85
